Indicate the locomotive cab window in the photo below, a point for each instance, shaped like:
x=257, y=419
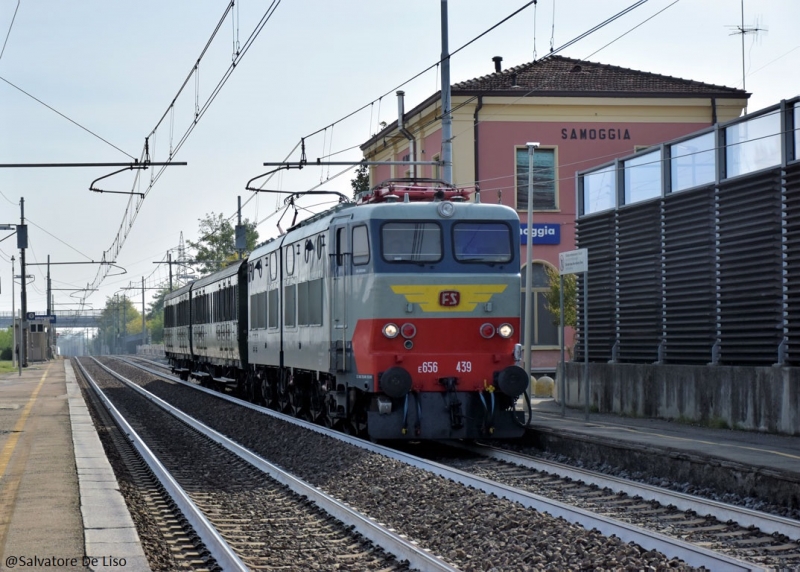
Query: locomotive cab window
x=482, y=242
x=360, y=245
x=411, y=242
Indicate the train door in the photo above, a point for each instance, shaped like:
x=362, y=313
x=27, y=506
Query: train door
x=340, y=271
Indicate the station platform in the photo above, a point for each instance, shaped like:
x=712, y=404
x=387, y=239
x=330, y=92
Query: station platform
x=750, y=464
x=60, y=505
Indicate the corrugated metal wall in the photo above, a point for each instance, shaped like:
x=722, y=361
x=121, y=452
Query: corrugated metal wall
x=697, y=268
x=690, y=299
x=750, y=269
x=792, y=262
x=598, y=234
x=638, y=282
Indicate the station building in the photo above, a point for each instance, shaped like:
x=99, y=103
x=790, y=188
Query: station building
x=581, y=113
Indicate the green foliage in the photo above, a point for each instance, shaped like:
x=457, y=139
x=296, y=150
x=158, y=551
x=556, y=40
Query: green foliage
x=216, y=247
x=361, y=181
x=155, y=317
x=119, y=318
x=552, y=297
x=6, y=341
x=155, y=326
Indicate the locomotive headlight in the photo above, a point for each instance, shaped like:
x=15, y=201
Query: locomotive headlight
x=487, y=330
x=446, y=209
x=391, y=330
x=505, y=330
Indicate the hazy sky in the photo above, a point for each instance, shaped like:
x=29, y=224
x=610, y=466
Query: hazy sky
x=115, y=67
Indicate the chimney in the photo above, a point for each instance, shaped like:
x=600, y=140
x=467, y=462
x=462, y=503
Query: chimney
x=497, y=67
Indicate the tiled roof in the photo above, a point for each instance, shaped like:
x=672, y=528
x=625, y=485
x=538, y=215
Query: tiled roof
x=564, y=76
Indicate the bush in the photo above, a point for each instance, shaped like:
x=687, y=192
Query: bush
x=5, y=354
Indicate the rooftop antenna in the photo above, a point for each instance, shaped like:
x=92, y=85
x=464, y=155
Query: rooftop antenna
x=743, y=30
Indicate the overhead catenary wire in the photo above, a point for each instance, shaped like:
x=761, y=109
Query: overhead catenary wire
x=11, y=25
x=331, y=152
x=435, y=119
x=54, y=110
x=132, y=209
x=430, y=67
x=416, y=130
x=631, y=30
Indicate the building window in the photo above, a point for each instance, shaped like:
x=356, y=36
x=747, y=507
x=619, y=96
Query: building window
x=544, y=180
x=545, y=330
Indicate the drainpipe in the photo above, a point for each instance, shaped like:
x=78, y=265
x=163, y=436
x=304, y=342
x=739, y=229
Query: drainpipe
x=412, y=144
x=713, y=110
x=475, y=138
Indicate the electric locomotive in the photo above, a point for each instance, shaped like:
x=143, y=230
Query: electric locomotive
x=396, y=318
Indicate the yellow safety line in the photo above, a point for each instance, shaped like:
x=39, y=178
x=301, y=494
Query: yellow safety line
x=11, y=444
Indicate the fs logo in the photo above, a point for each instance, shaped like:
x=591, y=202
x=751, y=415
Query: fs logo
x=449, y=298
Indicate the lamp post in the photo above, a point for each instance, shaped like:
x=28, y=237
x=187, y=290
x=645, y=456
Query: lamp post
x=15, y=358
x=529, y=264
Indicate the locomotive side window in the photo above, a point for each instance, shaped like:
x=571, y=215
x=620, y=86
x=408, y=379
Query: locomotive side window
x=272, y=302
x=411, y=242
x=302, y=305
x=482, y=242
x=262, y=310
x=309, y=303
x=290, y=305
x=258, y=310
x=360, y=245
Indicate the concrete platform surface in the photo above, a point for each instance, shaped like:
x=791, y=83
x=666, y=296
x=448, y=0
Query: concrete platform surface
x=763, y=450
x=60, y=505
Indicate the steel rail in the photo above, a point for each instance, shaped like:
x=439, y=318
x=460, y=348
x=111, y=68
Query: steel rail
x=382, y=536
x=691, y=554
x=216, y=545
x=745, y=517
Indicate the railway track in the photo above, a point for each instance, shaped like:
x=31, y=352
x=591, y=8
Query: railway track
x=168, y=539
x=694, y=553
x=764, y=539
x=248, y=520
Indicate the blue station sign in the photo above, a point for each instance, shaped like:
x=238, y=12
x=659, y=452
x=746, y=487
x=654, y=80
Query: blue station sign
x=543, y=233
x=46, y=317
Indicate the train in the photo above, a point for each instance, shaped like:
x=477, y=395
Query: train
x=394, y=317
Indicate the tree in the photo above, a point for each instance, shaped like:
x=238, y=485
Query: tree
x=155, y=316
x=552, y=297
x=118, y=319
x=6, y=339
x=216, y=247
x=361, y=181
